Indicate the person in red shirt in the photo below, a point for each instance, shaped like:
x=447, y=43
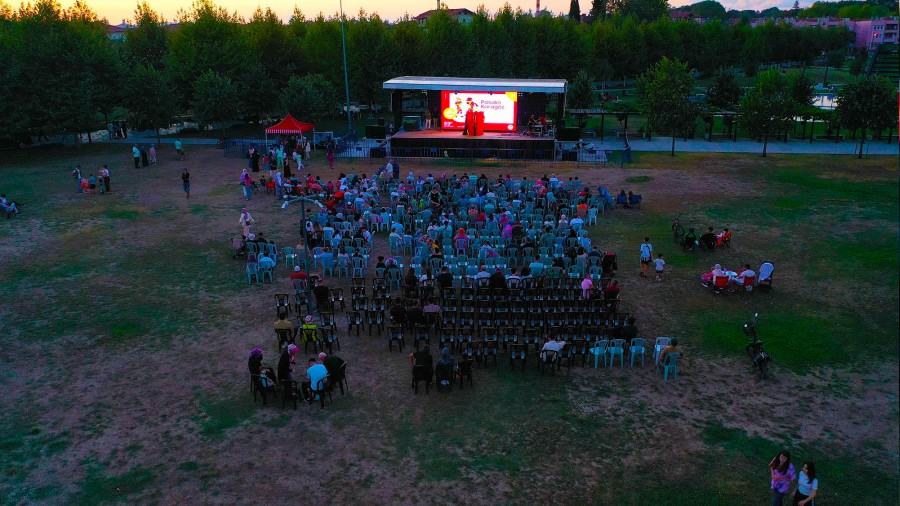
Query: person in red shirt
x=298, y=273
x=612, y=290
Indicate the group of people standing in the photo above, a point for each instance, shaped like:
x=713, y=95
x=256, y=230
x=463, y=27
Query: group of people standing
x=89, y=183
x=784, y=478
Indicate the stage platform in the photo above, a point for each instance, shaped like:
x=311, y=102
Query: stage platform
x=453, y=144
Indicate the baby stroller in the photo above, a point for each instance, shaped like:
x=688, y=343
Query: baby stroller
x=239, y=245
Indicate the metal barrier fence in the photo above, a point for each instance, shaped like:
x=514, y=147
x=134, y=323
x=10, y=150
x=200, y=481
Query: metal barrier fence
x=562, y=152
x=349, y=147
x=237, y=148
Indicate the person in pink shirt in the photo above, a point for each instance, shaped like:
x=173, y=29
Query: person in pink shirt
x=783, y=474
x=587, y=286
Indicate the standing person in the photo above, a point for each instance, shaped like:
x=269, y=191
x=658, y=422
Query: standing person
x=646, y=256
x=246, y=183
x=307, y=150
x=246, y=220
x=151, y=152
x=179, y=149
x=254, y=160
x=660, y=266
x=807, y=485
x=428, y=120
x=136, y=156
x=330, y=153
x=76, y=174
x=104, y=175
x=145, y=160
x=186, y=183
x=783, y=474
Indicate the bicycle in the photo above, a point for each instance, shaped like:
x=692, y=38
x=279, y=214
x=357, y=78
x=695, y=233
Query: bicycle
x=754, y=349
x=677, y=229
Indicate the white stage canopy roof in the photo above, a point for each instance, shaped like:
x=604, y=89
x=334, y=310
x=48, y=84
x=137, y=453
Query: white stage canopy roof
x=476, y=84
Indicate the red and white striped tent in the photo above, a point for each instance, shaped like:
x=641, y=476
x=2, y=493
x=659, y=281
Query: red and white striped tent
x=289, y=125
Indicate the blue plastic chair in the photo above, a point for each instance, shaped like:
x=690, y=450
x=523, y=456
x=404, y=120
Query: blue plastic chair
x=637, y=348
x=252, y=272
x=616, y=347
x=670, y=363
x=599, y=350
x=328, y=263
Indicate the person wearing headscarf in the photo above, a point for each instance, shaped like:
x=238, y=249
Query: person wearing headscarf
x=246, y=183
x=245, y=220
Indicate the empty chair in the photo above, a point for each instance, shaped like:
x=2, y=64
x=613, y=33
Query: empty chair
x=637, y=348
x=616, y=347
x=395, y=333
x=599, y=350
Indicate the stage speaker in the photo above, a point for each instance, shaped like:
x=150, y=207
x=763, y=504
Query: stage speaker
x=381, y=122
x=568, y=134
x=376, y=131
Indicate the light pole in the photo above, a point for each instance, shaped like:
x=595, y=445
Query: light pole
x=346, y=79
x=288, y=200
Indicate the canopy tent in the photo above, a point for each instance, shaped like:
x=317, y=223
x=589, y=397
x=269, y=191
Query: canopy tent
x=288, y=125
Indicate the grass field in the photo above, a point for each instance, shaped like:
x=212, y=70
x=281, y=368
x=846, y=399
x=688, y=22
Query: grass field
x=128, y=325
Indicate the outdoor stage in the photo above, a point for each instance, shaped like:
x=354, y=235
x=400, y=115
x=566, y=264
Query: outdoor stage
x=453, y=144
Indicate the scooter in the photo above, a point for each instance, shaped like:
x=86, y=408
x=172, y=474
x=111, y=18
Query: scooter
x=755, y=349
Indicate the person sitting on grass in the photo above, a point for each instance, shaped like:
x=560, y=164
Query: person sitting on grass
x=9, y=207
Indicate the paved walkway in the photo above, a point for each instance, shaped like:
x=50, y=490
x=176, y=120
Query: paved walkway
x=748, y=146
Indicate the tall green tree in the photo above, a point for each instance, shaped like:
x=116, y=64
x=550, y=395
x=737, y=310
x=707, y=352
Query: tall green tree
x=214, y=99
x=859, y=62
x=149, y=97
x=867, y=104
x=664, y=92
x=311, y=97
x=209, y=39
x=574, y=11
x=724, y=92
x=581, y=93
x=147, y=43
x=834, y=59
x=767, y=108
x=598, y=10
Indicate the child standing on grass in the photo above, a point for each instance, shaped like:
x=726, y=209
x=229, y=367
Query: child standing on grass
x=646, y=256
x=660, y=266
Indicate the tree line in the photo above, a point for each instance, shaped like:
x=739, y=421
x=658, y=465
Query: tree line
x=63, y=73
x=767, y=110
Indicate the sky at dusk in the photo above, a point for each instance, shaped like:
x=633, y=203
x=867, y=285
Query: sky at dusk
x=115, y=10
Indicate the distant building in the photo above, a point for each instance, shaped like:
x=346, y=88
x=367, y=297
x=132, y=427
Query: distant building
x=115, y=32
x=686, y=16
x=871, y=33
x=461, y=16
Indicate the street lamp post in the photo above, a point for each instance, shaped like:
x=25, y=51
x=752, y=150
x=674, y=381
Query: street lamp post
x=346, y=79
x=288, y=200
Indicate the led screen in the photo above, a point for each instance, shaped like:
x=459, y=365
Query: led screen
x=499, y=108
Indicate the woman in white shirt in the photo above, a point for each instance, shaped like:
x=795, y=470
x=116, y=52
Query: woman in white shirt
x=807, y=486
